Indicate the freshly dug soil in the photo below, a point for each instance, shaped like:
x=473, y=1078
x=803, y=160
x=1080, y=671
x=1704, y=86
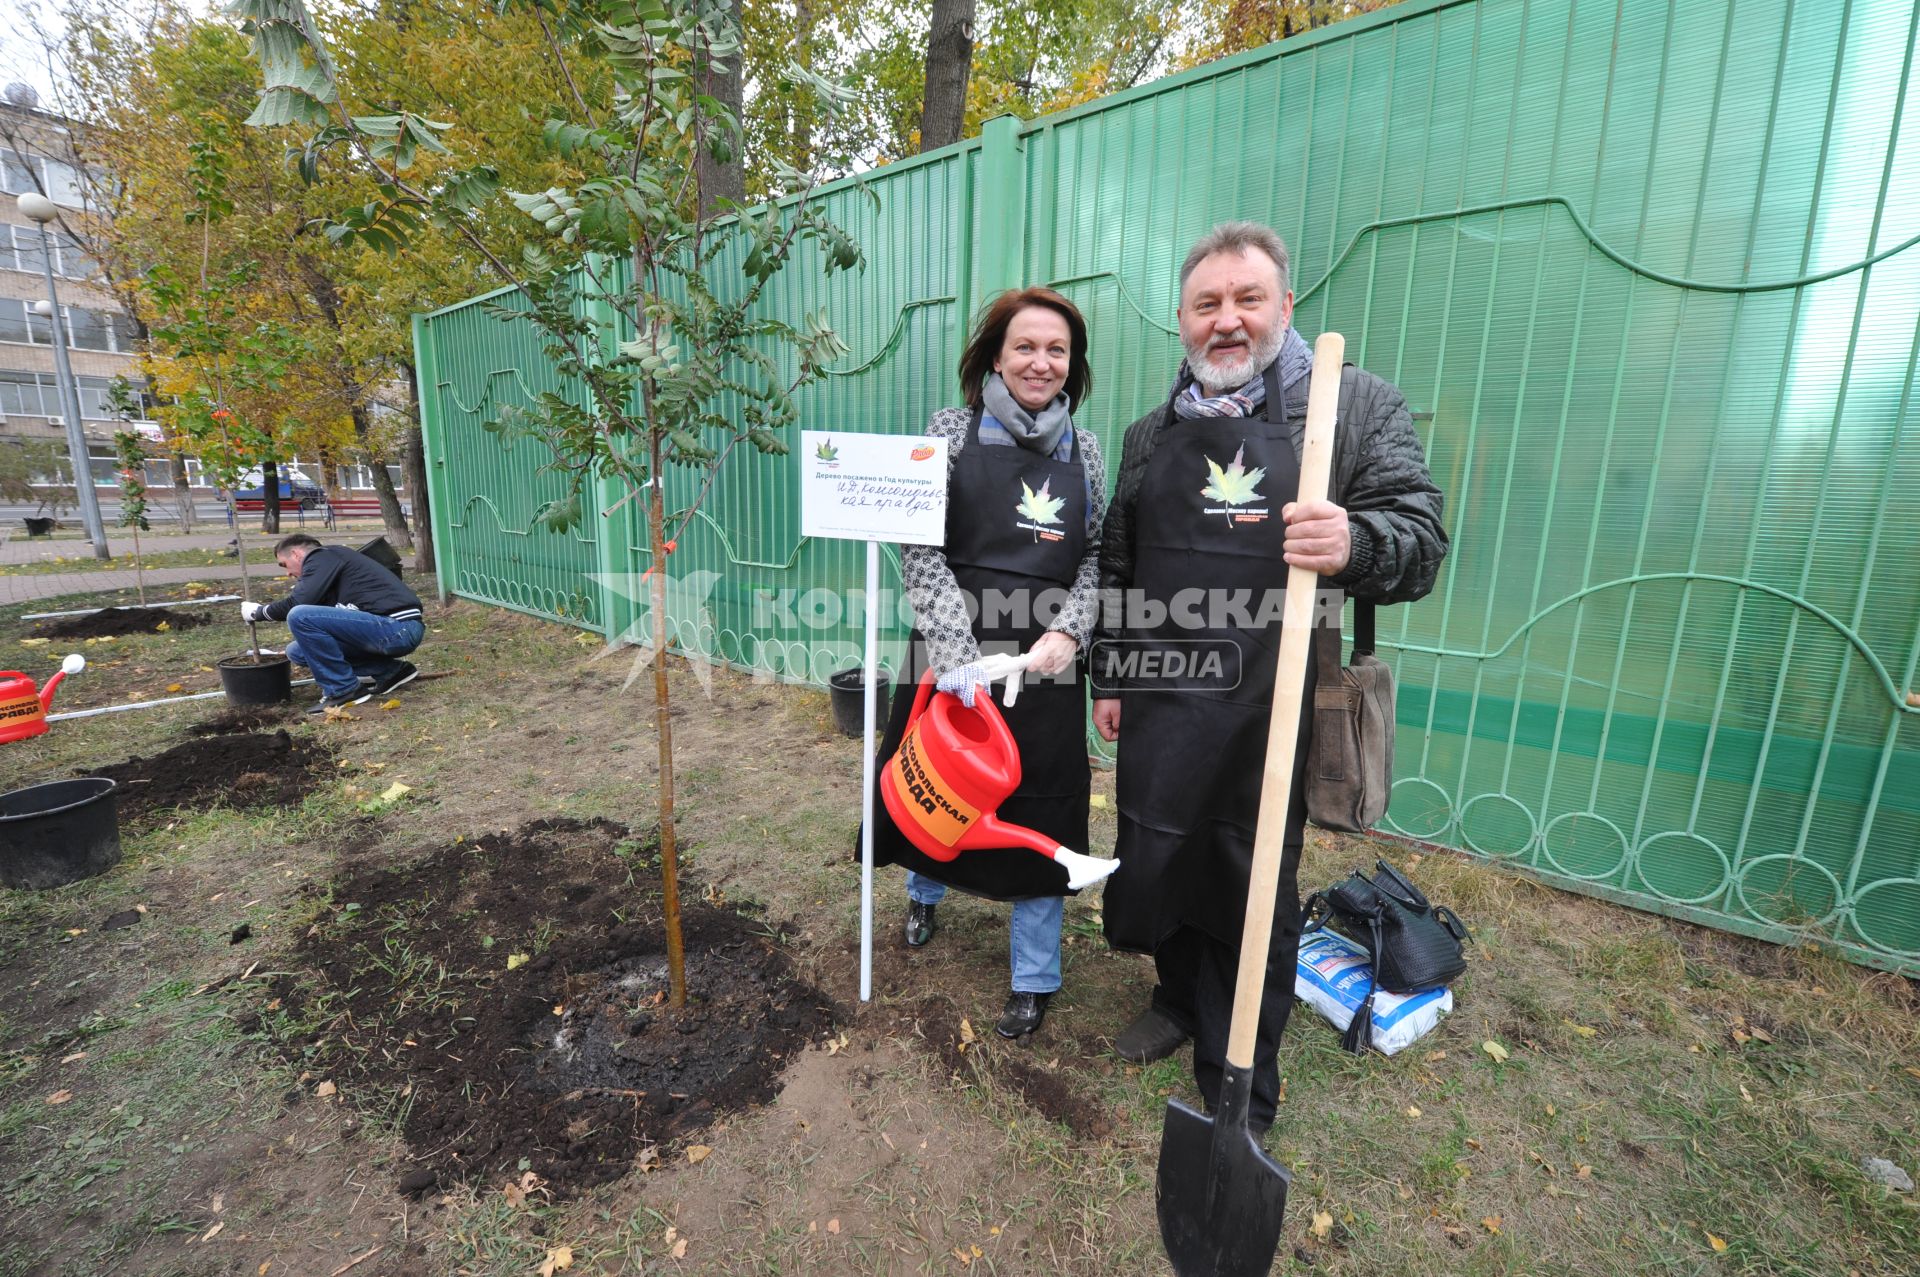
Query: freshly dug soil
x=1050, y=1091
x=111, y=621
x=244, y=718
x=260, y=769
x=515, y=990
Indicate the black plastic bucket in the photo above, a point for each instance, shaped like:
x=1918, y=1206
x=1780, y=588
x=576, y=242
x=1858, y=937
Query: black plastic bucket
x=38, y=527
x=846, y=692
x=268, y=683
x=58, y=833
x=381, y=551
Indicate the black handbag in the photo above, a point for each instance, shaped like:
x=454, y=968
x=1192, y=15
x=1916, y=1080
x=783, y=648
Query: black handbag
x=1412, y=943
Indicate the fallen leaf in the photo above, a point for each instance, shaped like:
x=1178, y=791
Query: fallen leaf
x=211, y=1233
x=1912, y=1071
x=966, y=1030
x=262, y=1272
x=391, y=704
x=1492, y=1224
x=1745, y=1094
x=966, y=1260
x=697, y=1153
x=219, y=1202
x=60, y=1097
x=1715, y=1242
x=395, y=792
x=557, y=1258
x=1098, y=801
x=1584, y=1172
x=1498, y=1052
x=672, y=1233
x=69, y=1059
x=515, y=1195
x=1584, y=1030
x=325, y=1089
x=1474, y=1144
x=176, y=687
x=680, y=1249
x=1760, y=1034
x=517, y=960
x=1551, y=1111
x=1413, y=1110
x=1434, y=1057
x=813, y=1225
x=1322, y=1226
x=833, y=1226
x=163, y=627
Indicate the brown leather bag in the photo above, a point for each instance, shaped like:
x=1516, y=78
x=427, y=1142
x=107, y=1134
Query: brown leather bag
x=1350, y=759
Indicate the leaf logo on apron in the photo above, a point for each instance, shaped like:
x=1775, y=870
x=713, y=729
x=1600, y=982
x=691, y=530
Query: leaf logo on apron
x=1041, y=507
x=1234, y=486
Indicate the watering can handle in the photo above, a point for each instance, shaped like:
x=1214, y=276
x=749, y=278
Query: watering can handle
x=921, y=696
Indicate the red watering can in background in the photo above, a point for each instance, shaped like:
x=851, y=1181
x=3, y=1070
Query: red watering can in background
x=955, y=766
x=23, y=708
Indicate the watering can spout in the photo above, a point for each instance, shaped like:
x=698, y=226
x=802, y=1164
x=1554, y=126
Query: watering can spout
x=72, y=665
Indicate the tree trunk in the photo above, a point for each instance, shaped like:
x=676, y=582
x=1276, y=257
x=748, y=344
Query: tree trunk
x=949, y=61
x=663, y=729
x=270, y=494
x=415, y=472
x=390, y=512
x=182, y=490
x=801, y=110
x=718, y=180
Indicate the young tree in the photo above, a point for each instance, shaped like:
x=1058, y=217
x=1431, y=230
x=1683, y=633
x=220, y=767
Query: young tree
x=637, y=234
x=131, y=465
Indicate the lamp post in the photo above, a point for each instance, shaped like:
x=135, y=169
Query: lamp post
x=38, y=208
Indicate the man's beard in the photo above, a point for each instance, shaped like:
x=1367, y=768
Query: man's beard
x=1217, y=376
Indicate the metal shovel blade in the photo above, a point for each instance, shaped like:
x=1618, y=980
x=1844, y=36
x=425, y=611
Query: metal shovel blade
x=1221, y=1198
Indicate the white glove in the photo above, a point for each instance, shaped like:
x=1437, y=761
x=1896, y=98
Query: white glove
x=961, y=682
x=251, y=611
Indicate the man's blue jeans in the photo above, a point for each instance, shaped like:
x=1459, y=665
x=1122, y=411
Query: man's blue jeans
x=1033, y=943
x=341, y=646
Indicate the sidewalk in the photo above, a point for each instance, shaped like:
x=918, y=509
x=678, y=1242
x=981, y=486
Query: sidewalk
x=20, y=549
x=51, y=585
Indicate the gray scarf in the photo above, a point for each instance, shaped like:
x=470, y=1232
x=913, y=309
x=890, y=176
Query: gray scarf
x=1039, y=432
x=1295, y=360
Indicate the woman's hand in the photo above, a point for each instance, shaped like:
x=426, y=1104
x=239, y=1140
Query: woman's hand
x=1051, y=653
x=1106, y=718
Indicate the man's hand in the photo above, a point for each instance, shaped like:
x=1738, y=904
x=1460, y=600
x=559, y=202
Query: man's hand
x=251, y=611
x=1318, y=537
x=1106, y=718
x=1051, y=653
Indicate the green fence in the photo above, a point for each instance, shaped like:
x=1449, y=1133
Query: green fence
x=1645, y=270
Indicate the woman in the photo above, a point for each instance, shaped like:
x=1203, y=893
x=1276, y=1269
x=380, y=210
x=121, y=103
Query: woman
x=1025, y=499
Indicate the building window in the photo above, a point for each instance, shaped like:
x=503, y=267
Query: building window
x=20, y=395
x=159, y=472
x=13, y=320
x=18, y=172
x=87, y=329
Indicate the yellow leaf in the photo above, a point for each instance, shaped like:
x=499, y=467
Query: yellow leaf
x=1585, y=1031
x=833, y=1226
x=176, y=687
x=1492, y=1224
x=69, y=1059
x=60, y=1097
x=1717, y=1244
x=1098, y=801
x=680, y=1249
x=263, y=1269
x=1413, y=1110
x=966, y=1030
x=390, y=704
x=1551, y=1110
x=517, y=960
x=325, y=1089
x=697, y=1153
x=395, y=792
x=1911, y=1070
x=1322, y=1226
x=1745, y=1094
x=35, y=642
x=558, y=1258
x=1494, y=1049
x=1584, y=1172
x=162, y=628
x=211, y=1233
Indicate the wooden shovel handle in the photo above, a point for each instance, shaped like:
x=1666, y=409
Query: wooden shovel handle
x=1283, y=730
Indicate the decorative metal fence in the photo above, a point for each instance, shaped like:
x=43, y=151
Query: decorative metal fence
x=1647, y=273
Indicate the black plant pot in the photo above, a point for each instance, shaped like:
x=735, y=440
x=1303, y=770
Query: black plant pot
x=270, y=682
x=38, y=527
x=846, y=691
x=58, y=833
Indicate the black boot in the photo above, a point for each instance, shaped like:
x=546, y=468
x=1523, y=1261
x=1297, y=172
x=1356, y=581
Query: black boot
x=920, y=924
x=1152, y=1036
x=1023, y=1014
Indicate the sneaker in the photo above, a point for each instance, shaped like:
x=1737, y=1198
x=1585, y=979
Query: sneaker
x=920, y=924
x=403, y=674
x=338, y=702
x=1154, y=1035
x=1023, y=1014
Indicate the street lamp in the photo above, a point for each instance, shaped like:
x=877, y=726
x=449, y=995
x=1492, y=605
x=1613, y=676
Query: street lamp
x=38, y=208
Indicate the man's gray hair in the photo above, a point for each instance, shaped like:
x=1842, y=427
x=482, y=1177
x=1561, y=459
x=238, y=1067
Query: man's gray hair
x=1239, y=237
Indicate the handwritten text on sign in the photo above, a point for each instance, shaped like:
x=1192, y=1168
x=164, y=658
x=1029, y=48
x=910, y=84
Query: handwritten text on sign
x=873, y=487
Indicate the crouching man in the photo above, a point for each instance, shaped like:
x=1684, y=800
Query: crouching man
x=351, y=619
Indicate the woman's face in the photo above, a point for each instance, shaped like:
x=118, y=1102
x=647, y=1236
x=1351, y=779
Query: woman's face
x=1035, y=356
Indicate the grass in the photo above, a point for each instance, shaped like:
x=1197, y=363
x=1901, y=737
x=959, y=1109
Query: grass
x=1665, y=1087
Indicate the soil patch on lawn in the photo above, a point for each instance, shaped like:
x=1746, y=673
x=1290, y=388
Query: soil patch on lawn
x=1054, y=1090
x=244, y=718
x=506, y=1002
x=258, y=769
x=111, y=622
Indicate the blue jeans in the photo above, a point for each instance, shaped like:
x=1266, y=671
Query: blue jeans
x=1033, y=939
x=341, y=646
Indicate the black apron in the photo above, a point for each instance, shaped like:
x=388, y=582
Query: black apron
x=1192, y=754
x=1008, y=543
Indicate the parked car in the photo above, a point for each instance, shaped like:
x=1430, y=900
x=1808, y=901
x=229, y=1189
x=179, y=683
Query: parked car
x=294, y=487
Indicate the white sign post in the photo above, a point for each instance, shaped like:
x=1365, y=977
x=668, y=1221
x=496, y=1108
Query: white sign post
x=872, y=488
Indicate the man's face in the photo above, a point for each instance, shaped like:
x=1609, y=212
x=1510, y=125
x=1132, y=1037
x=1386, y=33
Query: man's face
x=290, y=561
x=1233, y=317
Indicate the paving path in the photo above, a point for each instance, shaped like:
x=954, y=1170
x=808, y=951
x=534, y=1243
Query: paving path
x=51, y=585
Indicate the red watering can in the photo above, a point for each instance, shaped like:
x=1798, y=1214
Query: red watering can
x=955, y=766
x=23, y=708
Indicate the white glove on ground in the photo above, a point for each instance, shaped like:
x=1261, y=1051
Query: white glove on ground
x=251, y=611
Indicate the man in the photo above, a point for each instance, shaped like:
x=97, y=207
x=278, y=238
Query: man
x=1195, y=562
x=351, y=619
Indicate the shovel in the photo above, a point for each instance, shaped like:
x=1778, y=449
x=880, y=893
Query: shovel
x=1220, y=1196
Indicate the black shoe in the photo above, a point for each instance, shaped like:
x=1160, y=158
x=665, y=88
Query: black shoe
x=1152, y=1036
x=338, y=702
x=403, y=674
x=920, y=924
x=1023, y=1014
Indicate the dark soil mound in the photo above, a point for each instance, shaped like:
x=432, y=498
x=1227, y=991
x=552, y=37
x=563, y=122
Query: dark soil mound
x=258, y=770
x=515, y=989
x=244, y=718
x=111, y=621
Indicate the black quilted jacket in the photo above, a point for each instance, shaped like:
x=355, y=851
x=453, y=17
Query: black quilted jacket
x=1380, y=477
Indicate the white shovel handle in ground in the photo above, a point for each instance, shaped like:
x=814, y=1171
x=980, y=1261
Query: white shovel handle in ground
x=1283, y=730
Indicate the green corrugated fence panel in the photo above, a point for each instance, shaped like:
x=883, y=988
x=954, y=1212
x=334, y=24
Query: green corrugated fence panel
x=1645, y=274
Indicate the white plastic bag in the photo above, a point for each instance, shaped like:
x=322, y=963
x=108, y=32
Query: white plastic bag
x=1333, y=976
